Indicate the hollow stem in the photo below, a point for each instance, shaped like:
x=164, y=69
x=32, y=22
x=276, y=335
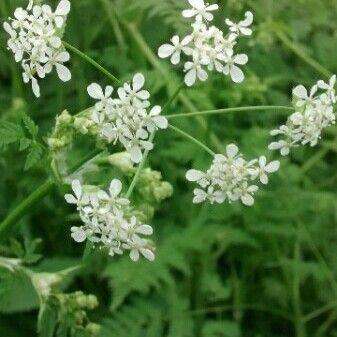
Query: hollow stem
x=194, y=140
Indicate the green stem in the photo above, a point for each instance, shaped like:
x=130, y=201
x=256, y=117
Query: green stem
x=302, y=55
x=238, y=109
x=173, y=97
x=92, y=62
x=298, y=315
x=16, y=214
x=139, y=169
x=24, y=206
x=146, y=153
x=194, y=140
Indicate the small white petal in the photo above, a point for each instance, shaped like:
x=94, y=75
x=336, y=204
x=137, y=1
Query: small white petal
x=194, y=175
x=115, y=187
x=138, y=81
x=145, y=230
x=148, y=254
x=232, y=150
x=63, y=72
x=165, y=50
x=272, y=166
x=95, y=91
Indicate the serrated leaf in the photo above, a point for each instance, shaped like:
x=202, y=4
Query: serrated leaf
x=24, y=144
x=34, y=155
x=30, y=125
x=10, y=133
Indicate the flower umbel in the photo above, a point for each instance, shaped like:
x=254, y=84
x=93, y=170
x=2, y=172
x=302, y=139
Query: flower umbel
x=314, y=112
x=127, y=119
x=109, y=222
x=207, y=47
x=35, y=40
x=231, y=178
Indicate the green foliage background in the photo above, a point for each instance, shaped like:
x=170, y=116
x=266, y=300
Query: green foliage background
x=220, y=271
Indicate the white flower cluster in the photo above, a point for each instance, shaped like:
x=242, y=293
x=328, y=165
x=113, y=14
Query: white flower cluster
x=231, y=177
x=35, y=41
x=128, y=118
x=207, y=47
x=107, y=223
x=314, y=112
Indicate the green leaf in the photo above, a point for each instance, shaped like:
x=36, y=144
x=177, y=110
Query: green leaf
x=34, y=155
x=24, y=144
x=17, y=292
x=10, y=133
x=30, y=125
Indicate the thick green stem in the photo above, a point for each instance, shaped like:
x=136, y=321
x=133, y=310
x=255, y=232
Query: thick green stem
x=92, y=62
x=24, y=206
x=194, y=140
x=238, y=109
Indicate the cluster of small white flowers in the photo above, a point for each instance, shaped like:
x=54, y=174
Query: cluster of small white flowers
x=107, y=223
x=314, y=112
x=128, y=118
x=231, y=177
x=207, y=47
x=35, y=40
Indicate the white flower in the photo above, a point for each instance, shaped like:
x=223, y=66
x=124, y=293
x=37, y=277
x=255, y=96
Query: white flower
x=314, y=113
x=243, y=26
x=79, y=198
x=29, y=77
x=329, y=87
x=174, y=50
x=154, y=121
x=194, y=71
x=96, y=92
x=246, y=193
x=109, y=222
x=57, y=60
x=229, y=177
x=232, y=69
x=267, y=168
x=207, y=48
x=134, y=92
x=137, y=247
x=35, y=41
x=200, y=10
x=129, y=119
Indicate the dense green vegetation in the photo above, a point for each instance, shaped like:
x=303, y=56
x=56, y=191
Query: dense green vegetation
x=220, y=270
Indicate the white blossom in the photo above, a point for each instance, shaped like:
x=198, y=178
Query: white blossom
x=200, y=10
x=108, y=221
x=128, y=119
x=243, y=27
x=35, y=41
x=206, y=47
x=231, y=177
x=314, y=112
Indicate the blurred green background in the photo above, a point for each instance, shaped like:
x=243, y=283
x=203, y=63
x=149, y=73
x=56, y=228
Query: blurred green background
x=221, y=270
